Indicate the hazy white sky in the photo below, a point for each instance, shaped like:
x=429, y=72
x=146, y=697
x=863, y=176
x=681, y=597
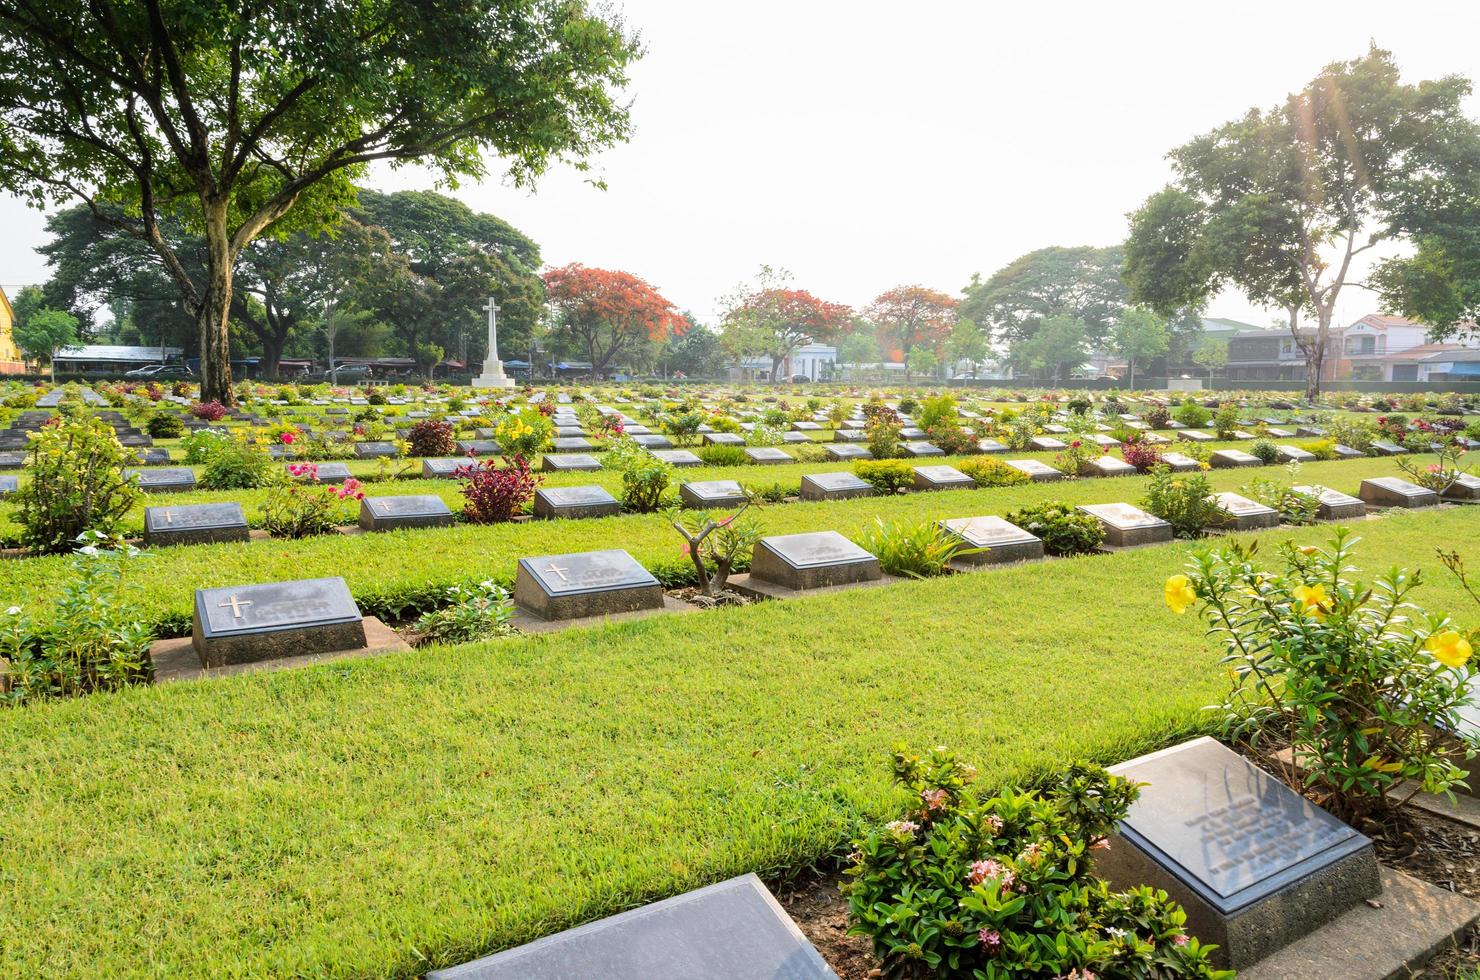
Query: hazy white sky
x=863, y=145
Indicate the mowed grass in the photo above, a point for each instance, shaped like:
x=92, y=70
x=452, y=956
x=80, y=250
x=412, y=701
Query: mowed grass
x=380, y=817
x=394, y=572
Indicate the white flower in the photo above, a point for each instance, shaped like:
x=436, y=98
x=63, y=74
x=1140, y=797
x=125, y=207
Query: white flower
x=13, y=611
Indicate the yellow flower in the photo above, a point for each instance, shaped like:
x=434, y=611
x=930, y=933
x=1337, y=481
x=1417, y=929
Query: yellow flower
x=1180, y=594
x=1449, y=648
x=1308, y=550
x=1312, y=599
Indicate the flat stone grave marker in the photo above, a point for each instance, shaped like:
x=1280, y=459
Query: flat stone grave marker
x=1466, y=487
x=834, y=486
x=850, y=435
x=1181, y=463
x=733, y=930
x=1279, y=433
x=812, y=560
x=1106, y=466
x=245, y=624
x=1334, y=505
x=570, y=432
x=1225, y=459
x=635, y=429
x=9, y=485
x=1127, y=526
x=1102, y=440
x=990, y=446
x=1347, y=452
x=842, y=452
x=1038, y=472
x=1242, y=436
x=153, y=457
x=175, y=479
x=912, y=432
x=1046, y=444
x=375, y=450
x=1242, y=514
x=677, y=457
x=1294, y=454
x=574, y=462
x=1381, y=447
x=942, y=478
x=409, y=510
x=711, y=493
x=1175, y=425
x=484, y=433
x=854, y=424
x=327, y=472
x=1310, y=432
x=1391, y=491
x=575, y=502
x=445, y=467
x=767, y=455
x=652, y=441
x=587, y=583
x=195, y=524
x=793, y=438
x=571, y=444
x=1058, y=430
x=1191, y=435
x=1254, y=864
x=919, y=449
x=480, y=447
x=1004, y=542
x=807, y=426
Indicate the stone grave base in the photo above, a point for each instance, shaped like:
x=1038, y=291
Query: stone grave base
x=1412, y=921
x=176, y=659
x=755, y=588
x=530, y=623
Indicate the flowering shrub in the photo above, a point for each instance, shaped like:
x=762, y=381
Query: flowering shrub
x=951, y=438
x=1351, y=675
x=716, y=544
x=917, y=549
x=1158, y=416
x=645, y=483
x=1225, y=421
x=1140, y=454
x=1265, y=450
x=683, y=426
x=766, y=434
x=523, y=435
x=1183, y=500
x=1018, y=431
x=495, y=494
x=164, y=425
x=1439, y=475
x=1322, y=449
x=239, y=464
x=988, y=472
x=208, y=411
x=1063, y=530
x=1003, y=886
x=1294, y=506
x=888, y=476
x=77, y=484
x=471, y=614
x=1077, y=455
x=432, y=437
x=304, y=509
x=882, y=432
x=91, y=640
x=1354, y=433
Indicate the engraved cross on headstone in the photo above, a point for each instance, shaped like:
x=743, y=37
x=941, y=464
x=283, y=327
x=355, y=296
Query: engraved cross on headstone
x=558, y=571
x=235, y=605
x=168, y=515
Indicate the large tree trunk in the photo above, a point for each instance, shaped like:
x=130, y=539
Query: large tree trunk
x=272, y=354
x=211, y=318
x=776, y=368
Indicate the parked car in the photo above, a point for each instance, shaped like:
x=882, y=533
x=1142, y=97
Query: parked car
x=348, y=372
x=162, y=372
x=800, y=379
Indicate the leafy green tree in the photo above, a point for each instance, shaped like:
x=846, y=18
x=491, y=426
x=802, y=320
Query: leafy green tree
x=920, y=360
x=1139, y=336
x=1056, y=349
x=45, y=332
x=968, y=343
x=1212, y=355
x=860, y=346
x=1080, y=283
x=695, y=353
x=244, y=119
x=772, y=319
x=1280, y=202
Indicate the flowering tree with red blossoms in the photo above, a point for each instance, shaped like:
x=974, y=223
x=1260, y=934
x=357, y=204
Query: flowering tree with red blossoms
x=609, y=312
x=912, y=316
x=773, y=320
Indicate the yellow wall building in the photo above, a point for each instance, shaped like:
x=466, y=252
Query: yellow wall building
x=10, y=355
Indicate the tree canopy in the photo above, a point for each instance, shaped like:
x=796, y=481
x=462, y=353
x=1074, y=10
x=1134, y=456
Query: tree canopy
x=772, y=319
x=1081, y=283
x=912, y=316
x=609, y=313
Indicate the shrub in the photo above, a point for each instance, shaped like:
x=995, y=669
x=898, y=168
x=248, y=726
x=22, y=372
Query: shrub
x=1003, y=886
x=202, y=444
x=523, y=435
x=683, y=426
x=1079, y=452
x=723, y=455
x=1265, y=450
x=1352, y=432
x=988, y=472
x=1294, y=507
x=808, y=452
x=165, y=425
x=302, y=510
x=1183, y=500
x=1439, y=475
x=91, y=640
x=771, y=493
x=1079, y=406
x=208, y=411
x=908, y=406
x=917, y=549
x=1352, y=677
x=239, y=464
x=716, y=544
x=1142, y=455
x=1191, y=414
x=1158, y=416
x=951, y=438
x=77, y=484
x=938, y=410
x=645, y=483
x=1017, y=432
x=472, y=613
x=766, y=434
x=1063, y=530
x=1225, y=421
x=495, y=493
x=1322, y=449
x=432, y=437
x=885, y=475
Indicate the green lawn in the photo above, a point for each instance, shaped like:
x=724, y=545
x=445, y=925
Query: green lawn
x=389, y=572
x=379, y=817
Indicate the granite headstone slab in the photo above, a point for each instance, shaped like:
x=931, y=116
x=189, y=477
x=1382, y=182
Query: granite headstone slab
x=651, y=441
x=1254, y=864
x=1036, y=471
x=572, y=444
x=724, y=439
x=248, y=623
x=195, y=524
x=1294, y=454
x=733, y=930
x=942, y=478
x=812, y=560
x=406, y=510
x=1004, y=542
x=1334, y=505
x=9, y=485
x=1047, y=444
x=1239, y=513
x=1390, y=491
x=1126, y=526
x=445, y=467
x=918, y=449
x=569, y=463
x=1106, y=466
x=834, y=486
x=175, y=479
x=575, y=502
x=587, y=583
x=767, y=455
x=990, y=446
x=677, y=457
x=844, y=451
x=1466, y=487
x=1224, y=459
x=711, y=493
x=1180, y=463
x=375, y=450
x=1189, y=435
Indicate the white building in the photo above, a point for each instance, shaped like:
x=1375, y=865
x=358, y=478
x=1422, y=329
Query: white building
x=811, y=361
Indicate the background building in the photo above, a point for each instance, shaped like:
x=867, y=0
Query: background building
x=10, y=355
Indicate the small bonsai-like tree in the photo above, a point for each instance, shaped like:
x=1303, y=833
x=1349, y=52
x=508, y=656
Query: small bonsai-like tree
x=717, y=542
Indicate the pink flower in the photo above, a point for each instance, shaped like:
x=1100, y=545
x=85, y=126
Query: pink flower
x=982, y=870
x=990, y=939
x=935, y=799
x=1100, y=844
x=995, y=822
x=286, y=438
x=904, y=828
x=1180, y=939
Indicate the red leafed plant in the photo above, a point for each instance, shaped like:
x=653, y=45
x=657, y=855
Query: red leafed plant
x=208, y=411
x=495, y=493
x=1141, y=455
x=432, y=437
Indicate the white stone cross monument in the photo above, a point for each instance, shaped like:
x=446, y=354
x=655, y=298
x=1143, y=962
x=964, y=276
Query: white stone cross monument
x=493, y=369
